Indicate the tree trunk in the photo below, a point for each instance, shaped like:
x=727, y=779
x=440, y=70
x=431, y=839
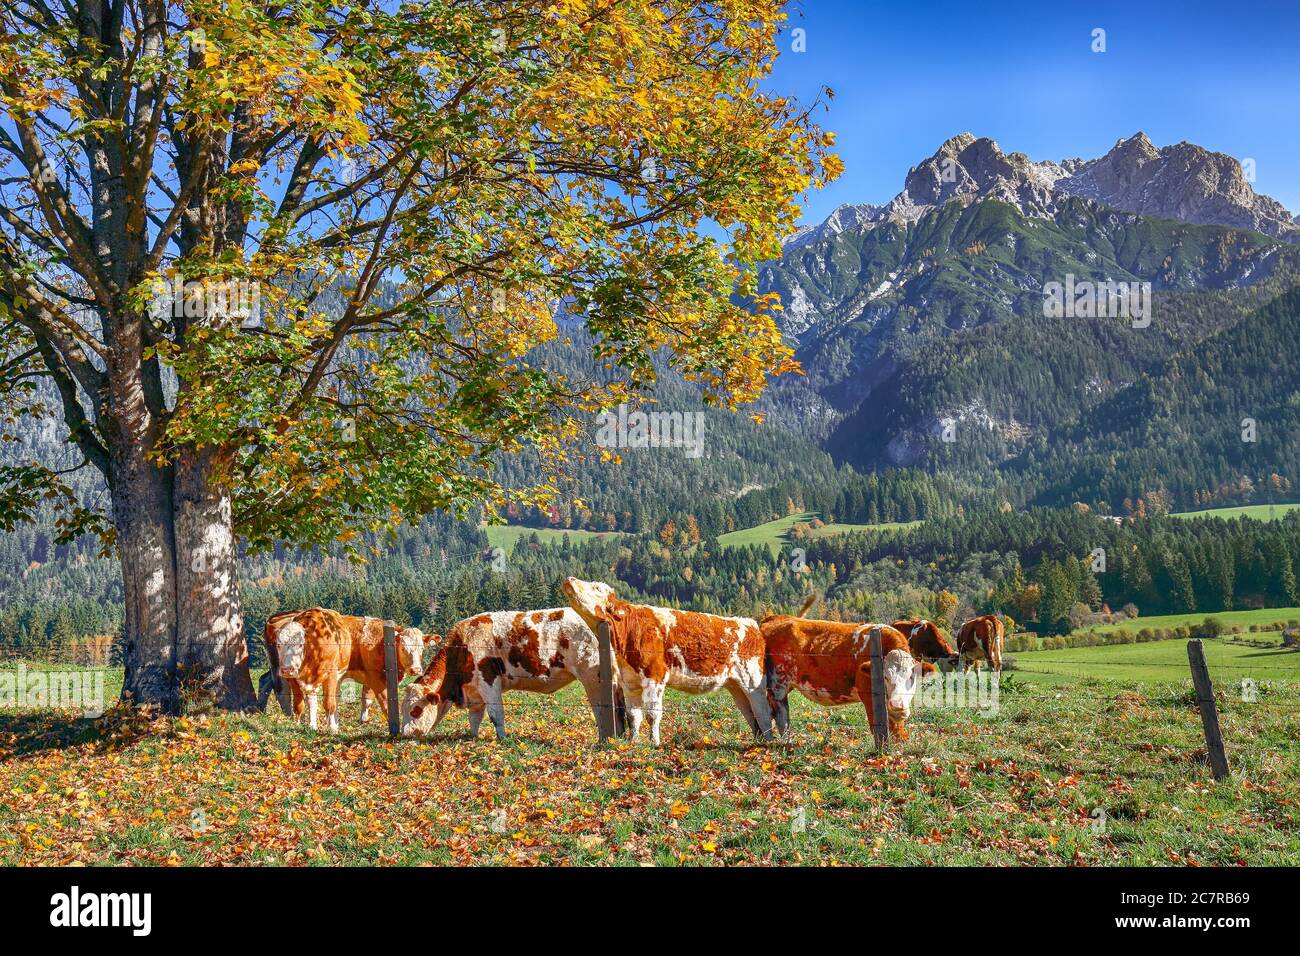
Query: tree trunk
x=210, y=638
x=142, y=515
x=184, y=619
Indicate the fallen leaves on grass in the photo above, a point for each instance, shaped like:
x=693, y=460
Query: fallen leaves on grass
x=229, y=790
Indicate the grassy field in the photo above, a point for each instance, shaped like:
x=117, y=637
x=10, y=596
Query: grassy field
x=1230, y=663
x=1258, y=512
x=1264, y=616
x=775, y=534
x=504, y=536
x=1019, y=784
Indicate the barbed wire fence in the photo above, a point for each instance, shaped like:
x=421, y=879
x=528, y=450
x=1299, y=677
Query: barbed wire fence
x=974, y=712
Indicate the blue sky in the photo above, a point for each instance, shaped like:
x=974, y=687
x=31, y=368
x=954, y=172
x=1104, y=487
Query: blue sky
x=908, y=75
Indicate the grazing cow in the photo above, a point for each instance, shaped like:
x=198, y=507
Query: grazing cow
x=926, y=641
x=488, y=654
x=829, y=662
x=981, y=639
x=319, y=648
x=658, y=648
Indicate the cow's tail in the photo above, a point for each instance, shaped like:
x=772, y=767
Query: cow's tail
x=809, y=601
x=769, y=678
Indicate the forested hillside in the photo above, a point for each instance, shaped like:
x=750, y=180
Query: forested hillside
x=1218, y=422
x=926, y=344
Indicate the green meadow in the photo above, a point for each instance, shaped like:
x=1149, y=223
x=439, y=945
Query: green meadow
x=1230, y=660
x=776, y=534
x=1257, y=512
x=505, y=536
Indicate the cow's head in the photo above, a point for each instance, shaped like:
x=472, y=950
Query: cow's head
x=594, y=601
x=428, y=699
x=291, y=648
x=410, y=650
x=927, y=642
x=422, y=709
x=903, y=674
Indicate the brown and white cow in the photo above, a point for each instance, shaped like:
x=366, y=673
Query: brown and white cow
x=488, y=654
x=317, y=649
x=926, y=641
x=657, y=648
x=829, y=662
x=981, y=639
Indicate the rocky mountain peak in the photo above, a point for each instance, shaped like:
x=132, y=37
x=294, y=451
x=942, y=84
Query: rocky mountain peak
x=846, y=216
x=1183, y=181
x=1139, y=144
x=968, y=168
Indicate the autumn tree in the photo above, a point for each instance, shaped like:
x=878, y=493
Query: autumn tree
x=278, y=267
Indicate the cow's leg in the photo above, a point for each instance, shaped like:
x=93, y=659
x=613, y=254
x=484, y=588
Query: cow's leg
x=631, y=684
x=443, y=707
x=476, y=712
x=492, y=698
x=295, y=691
x=332, y=703
x=781, y=713
x=379, y=691
x=762, y=711
x=778, y=698
x=634, y=716
x=313, y=703
x=863, y=684
x=742, y=703
x=652, y=702
x=620, y=712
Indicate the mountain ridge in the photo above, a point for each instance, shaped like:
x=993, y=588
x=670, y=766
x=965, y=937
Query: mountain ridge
x=1182, y=181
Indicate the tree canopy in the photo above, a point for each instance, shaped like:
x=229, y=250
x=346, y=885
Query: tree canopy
x=409, y=193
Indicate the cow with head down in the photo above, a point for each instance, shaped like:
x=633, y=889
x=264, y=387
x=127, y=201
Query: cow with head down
x=488, y=654
x=926, y=641
x=317, y=649
x=829, y=662
x=657, y=648
x=980, y=639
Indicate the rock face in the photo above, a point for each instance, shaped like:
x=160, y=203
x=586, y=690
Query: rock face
x=1184, y=182
x=847, y=216
x=968, y=169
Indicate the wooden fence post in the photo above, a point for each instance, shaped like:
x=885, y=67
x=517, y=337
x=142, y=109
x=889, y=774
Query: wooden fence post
x=284, y=695
x=1209, y=710
x=390, y=677
x=878, y=709
x=606, y=718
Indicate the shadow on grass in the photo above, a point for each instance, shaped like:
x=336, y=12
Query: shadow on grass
x=25, y=734
x=34, y=732
x=1274, y=652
